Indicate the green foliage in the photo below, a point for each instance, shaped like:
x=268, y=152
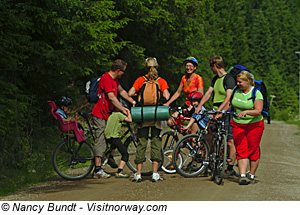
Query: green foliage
x=51, y=48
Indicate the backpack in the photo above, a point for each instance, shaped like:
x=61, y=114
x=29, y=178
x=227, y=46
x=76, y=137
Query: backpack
x=233, y=72
x=91, y=89
x=149, y=93
x=258, y=85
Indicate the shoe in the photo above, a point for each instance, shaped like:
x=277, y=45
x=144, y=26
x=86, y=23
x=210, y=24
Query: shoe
x=156, y=177
x=122, y=175
x=112, y=163
x=244, y=181
x=233, y=173
x=101, y=174
x=137, y=178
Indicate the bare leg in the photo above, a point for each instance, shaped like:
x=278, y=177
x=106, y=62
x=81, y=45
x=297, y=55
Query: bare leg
x=97, y=161
x=243, y=163
x=231, y=151
x=253, y=166
x=139, y=168
x=155, y=166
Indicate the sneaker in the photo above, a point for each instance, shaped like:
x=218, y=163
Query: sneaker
x=101, y=174
x=233, y=173
x=137, y=178
x=156, y=177
x=122, y=175
x=112, y=163
x=244, y=181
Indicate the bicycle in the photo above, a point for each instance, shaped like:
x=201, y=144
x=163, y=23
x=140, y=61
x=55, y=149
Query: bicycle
x=169, y=138
x=199, y=156
x=75, y=160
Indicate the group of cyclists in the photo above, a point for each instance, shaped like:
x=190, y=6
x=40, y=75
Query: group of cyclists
x=244, y=131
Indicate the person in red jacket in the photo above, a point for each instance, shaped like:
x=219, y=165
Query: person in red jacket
x=108, y=89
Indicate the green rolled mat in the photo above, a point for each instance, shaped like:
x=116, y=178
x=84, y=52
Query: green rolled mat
x=150, y=113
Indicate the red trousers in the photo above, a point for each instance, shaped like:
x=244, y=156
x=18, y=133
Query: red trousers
x=247, y=139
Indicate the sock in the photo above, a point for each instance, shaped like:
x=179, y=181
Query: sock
x=243, y=175
x=251, y=176
x=97, y=168
x=119, y=170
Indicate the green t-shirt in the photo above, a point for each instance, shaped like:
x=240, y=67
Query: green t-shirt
x=114, y=124
x=242, y=102
x=220, y=93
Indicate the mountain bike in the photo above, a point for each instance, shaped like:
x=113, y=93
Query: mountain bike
x=199, y=155
x=170, y=138
x=73, y=160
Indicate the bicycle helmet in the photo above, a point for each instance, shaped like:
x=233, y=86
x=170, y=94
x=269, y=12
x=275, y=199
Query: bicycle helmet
x=191, y=60
x=63, y=100
x=196, y=95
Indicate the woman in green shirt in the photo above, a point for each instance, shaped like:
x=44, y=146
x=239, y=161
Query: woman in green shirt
x=248, y=126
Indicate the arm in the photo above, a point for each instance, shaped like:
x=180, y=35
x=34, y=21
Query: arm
x=128, y=118
x=200, y=90
x=115, y=102
x=205, y=98
x=191, y=122
x=166, y=94
x=175, y=96
x=258, y=107
x=125, y=95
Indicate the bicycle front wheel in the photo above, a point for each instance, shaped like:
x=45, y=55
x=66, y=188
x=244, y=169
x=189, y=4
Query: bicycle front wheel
x=190, y=156
x=72, y=160
x=222, y=162
x=147, y=165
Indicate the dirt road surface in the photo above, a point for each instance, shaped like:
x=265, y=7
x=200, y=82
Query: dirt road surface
x=278, y=179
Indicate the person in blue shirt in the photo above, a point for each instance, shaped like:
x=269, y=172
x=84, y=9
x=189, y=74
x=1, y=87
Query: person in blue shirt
x=63, y=106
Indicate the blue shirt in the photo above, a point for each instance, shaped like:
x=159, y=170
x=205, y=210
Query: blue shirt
x=202, y=119
x=62, y=113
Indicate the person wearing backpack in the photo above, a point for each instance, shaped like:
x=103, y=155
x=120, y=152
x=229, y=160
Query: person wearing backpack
x=189, y=83
x=145, y=127
x=248, y=127
x=108, y=88
x=220, y=99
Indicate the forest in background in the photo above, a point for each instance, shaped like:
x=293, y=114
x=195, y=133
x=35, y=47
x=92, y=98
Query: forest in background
x=51, y=48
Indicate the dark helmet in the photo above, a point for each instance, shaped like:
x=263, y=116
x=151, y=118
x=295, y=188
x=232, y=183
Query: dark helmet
x=191, y=60
x=196, y=95
x=63, y=100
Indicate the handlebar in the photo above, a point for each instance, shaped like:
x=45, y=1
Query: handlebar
x=214, y=112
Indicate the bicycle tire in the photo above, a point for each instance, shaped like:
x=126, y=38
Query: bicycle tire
x=193, y=164
x=168, y=166
x=222, y=161
x=72, y=160
x=168, y=140
x=147, y=165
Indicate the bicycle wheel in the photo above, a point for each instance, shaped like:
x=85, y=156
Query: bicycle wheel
x=168, y=166
x=147, y=165
x=169, y=139
x=72, y=160
x=194, y=156
x=222, y=161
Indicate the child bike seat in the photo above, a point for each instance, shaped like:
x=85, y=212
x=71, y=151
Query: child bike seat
x=66, y=127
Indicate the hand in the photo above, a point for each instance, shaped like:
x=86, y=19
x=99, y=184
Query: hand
x=242, y=114
x=198, y=109
x=218, y=116
x=166, y=104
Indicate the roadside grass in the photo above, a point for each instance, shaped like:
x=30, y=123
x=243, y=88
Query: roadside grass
x=293, y=123
x=15, y=179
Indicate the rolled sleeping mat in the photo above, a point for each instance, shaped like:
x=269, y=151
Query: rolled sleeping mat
x=150, y=113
